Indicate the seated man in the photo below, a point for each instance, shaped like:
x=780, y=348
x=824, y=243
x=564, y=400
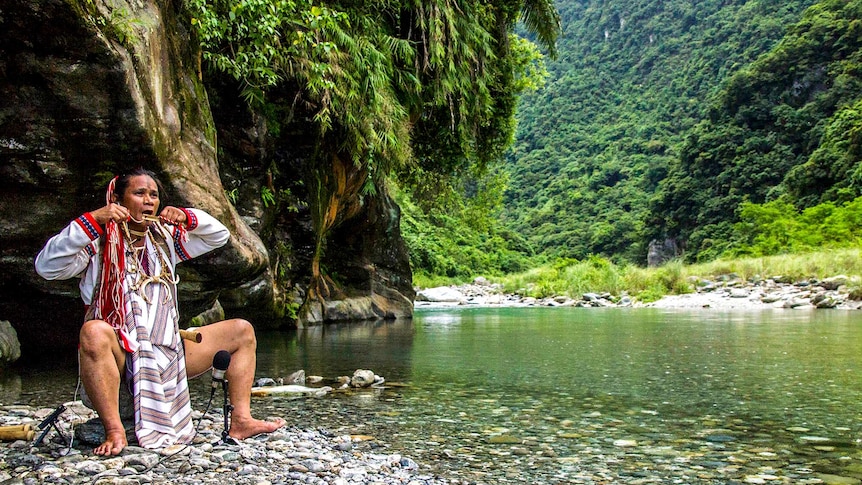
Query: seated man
x=125, y=254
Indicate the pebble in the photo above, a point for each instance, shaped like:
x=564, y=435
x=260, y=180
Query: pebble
x=289, y=455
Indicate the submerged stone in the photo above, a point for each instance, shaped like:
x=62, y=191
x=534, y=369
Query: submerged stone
x=504, y=439
x=838, y=480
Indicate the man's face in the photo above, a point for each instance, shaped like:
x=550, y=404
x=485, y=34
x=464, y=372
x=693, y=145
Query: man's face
x=141, y=197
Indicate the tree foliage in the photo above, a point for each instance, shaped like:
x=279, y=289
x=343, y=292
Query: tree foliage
x=657, y=119
x=460, y=237
x=366, y=72
x=786, y=126
x=413, y=86
x=778, y=227
x=629, y=84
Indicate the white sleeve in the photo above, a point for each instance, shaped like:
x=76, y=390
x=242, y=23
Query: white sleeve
x=67, y=254
x=205, y=233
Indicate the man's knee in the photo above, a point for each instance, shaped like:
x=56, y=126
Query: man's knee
x=96, y=336
x=244, y=331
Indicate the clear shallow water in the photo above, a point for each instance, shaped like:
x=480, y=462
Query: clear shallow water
x=568, y=395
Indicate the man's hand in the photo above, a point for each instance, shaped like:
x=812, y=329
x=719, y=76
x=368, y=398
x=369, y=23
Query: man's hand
x=172, y=215
x=111, y=212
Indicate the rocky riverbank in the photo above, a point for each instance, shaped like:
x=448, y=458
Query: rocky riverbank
x=289, y=455
x=722, y=293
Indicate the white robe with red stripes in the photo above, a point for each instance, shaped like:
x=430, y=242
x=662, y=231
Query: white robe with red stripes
x=155, y=361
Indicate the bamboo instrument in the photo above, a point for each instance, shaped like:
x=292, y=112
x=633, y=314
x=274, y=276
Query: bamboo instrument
x=17, y=432
x=191, y=335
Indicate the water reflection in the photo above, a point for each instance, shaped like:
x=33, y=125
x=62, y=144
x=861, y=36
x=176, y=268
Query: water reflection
x=328, y=351
x=664, y=379
x=545, y=395
x=10, y=387
x=339, y=349
x=754, y=361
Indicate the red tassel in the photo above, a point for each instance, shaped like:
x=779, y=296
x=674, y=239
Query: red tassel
x=111, y=298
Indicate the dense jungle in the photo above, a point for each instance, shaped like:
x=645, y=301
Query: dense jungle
x=709, y=129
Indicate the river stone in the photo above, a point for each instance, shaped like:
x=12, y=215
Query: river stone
x=92, y=432
x=265, y=382
x=504, y=439
x=10, y=348
x=834, y=282
x=140, y=459
x=371, y=307
x=720, y=438
x=440, y=294
x=795, y=303
x=815, y=439
x=90, y=467
x=363, y=378
x=838, y=480
x=824, y=301
x=297, y=377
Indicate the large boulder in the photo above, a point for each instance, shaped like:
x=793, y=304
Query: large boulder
x=441, y=294
x=10, y=347
x=368, y=253
x=91, y=89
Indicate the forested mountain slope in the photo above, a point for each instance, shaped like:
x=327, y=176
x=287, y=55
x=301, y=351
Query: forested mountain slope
x=633, y=78
x=787, y=126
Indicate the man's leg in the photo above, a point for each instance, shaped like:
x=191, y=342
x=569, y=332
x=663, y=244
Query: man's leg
x=102, y=362
x=237, y=337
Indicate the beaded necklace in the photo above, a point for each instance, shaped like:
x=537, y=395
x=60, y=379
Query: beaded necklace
x=142, y=279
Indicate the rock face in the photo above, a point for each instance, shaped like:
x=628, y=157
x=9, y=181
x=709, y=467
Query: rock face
x=10, y=348
x=91, y=89
x=80, y=106
x=371, y=255
x=662, y=251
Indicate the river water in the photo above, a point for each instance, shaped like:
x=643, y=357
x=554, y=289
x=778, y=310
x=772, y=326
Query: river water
x=573, y=395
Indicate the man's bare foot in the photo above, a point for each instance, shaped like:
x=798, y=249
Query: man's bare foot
x=113, y=445
x=246, y=428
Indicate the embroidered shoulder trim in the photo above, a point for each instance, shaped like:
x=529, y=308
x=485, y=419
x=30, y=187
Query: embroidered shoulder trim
x=90, y=226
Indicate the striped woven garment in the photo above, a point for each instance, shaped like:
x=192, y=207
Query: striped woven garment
x=157, y=368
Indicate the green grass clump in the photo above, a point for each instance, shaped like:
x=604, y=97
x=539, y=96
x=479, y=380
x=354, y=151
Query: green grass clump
x=424, y=280
x=794, y=267
x=573, y=278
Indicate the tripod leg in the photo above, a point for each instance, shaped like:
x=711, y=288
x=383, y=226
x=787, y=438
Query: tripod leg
x=50, y=422
x=228, y=407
